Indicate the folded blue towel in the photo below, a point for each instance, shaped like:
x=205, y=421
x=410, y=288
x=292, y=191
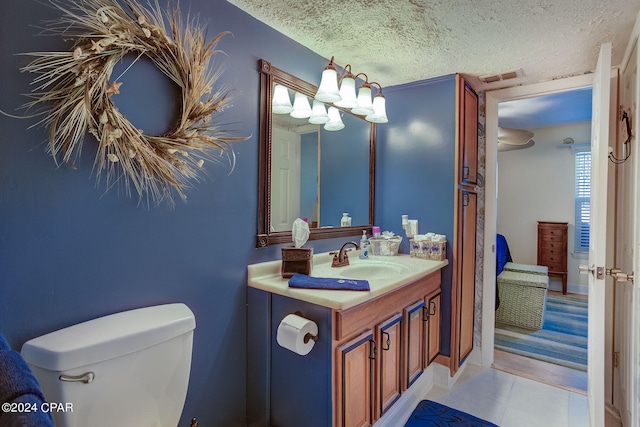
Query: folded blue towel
x=19, y=385
x=307, y=282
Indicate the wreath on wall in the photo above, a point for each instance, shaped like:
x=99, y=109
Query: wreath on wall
x=74, y=88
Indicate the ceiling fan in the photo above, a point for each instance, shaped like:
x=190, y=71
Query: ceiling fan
x=514, y=139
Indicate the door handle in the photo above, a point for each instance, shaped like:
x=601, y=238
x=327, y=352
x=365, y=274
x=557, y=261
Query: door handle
x=597, y=272
x=619, y=276
x=585, y=269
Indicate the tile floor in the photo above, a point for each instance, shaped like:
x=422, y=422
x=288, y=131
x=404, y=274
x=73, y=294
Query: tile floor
x=511, y=401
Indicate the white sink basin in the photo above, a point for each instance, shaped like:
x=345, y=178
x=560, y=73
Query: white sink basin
x=363, y=269
x=372, y=271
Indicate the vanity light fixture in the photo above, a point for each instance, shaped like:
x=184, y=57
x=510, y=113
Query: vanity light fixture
x=328, y=90
x=379, y=108
x=301, y=106
x=319, y=114
x=347, y=90
x=364, y=107
x=281, y=103
x=335, y=122
x=345, y=97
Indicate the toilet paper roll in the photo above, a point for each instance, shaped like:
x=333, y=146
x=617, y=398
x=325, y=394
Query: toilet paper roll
x=292, y=331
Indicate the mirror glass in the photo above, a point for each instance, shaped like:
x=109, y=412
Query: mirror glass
x=309, y=172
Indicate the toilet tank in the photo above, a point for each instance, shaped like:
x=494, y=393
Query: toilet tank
x=126, y=369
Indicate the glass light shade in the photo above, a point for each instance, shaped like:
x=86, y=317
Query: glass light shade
x=379, y=110
x=365, y=106
x=319, y=114
x=347, y=93
x=335, y=122
x=301, y=106
x=328, y=90
x=281, y=103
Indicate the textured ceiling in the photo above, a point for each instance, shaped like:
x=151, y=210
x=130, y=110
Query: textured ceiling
x=401, y=41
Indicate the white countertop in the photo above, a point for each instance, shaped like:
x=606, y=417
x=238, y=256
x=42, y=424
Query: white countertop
x=267, y=276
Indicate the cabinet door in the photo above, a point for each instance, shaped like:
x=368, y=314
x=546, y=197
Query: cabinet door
x=414, y=319
x=389, y=377
x=354, y=373
x=467, y=133
x=467, y=276
x=433, y=329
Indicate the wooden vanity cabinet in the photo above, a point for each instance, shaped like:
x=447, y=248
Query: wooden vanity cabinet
x=354, y=371
x=363, y=362
x=433, y=318
x=380, y=349
x=389, y=375
x=415, y=319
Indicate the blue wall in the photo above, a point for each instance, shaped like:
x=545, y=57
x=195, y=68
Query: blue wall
x=415, y=168
x=70, y=252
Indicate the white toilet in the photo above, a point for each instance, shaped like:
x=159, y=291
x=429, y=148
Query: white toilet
x=126, y=369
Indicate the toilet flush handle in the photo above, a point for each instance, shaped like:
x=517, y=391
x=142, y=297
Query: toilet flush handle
x=83, y=378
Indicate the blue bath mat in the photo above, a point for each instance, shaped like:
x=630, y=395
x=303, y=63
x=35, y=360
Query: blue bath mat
x=433, y=414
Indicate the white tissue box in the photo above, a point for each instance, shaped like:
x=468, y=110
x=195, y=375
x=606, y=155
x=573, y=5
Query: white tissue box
x=428, y=249
x=382, y=246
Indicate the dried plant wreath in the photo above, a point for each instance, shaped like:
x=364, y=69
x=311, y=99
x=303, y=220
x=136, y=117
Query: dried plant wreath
x=74, y=89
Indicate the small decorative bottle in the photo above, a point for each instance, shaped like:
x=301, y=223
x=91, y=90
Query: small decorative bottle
x=346, y=220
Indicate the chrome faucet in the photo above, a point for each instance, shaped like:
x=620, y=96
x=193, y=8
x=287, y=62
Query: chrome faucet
x=340, y=258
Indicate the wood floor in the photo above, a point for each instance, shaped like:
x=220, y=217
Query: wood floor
x=559, y=376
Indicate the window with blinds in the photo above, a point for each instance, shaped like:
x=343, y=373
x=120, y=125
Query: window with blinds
x=583, y=199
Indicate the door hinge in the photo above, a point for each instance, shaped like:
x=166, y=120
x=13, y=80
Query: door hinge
x=616, y=359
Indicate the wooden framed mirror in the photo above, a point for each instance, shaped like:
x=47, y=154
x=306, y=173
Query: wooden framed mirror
x=308, y=172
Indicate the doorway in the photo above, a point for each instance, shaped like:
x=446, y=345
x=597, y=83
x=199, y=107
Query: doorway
x=542, y=142
x=491, y=206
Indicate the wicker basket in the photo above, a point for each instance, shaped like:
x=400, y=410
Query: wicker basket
x=384, y=246
x=428, y=250
x=526, y=268
x=522, y=299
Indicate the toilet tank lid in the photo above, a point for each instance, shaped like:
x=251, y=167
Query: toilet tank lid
x=108, y=337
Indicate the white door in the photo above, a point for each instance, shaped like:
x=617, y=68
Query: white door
x=627, y=309
x=285, y=179
x=598, y=235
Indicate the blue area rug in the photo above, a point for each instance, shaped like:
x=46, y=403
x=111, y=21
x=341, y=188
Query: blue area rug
x=429, y=413
x=562, y=339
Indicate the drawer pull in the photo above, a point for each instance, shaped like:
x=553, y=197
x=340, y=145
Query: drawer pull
x=426, y=316
x=373, y=349
x=388, y=341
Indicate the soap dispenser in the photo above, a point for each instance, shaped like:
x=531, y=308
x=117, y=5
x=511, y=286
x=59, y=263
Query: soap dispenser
x=364, y=246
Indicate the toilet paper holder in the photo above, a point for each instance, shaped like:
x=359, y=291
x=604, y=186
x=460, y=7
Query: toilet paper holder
x=308, y=336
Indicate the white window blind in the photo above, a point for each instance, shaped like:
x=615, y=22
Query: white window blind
x=583, y=197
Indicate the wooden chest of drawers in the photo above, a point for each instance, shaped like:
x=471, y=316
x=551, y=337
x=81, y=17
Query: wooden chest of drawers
x=552, y=249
